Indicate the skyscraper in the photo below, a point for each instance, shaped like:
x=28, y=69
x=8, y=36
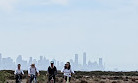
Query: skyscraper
x=57, y=64
x=41, y=58
x=101, y=67
x=0, y=60
x=76, y=59
x=30, y=60
x=0, y=57
x=19, y=59
x=100, y=61
x=84, y=59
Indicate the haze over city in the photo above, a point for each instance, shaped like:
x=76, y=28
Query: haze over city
x=59, y=29
x=43, y=63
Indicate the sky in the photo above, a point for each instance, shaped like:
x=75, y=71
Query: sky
x=59, y=29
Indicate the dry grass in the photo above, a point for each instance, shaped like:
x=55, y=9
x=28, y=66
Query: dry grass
x=79, y=77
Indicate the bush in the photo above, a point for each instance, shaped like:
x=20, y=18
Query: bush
x=83, y=81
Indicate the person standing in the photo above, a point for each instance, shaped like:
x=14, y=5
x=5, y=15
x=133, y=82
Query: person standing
x=52, y=72
x=33, y=72
x=67, y=72
x=18, y=73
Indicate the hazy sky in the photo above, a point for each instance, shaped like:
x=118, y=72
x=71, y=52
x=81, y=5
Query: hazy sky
x=60, y=28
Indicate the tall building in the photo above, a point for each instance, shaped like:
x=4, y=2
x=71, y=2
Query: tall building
x=41, y=58
x=30, y=60
x=84, y=59
x=19, y=59
x=101, y=67
x=76, y=59
x=0, y=57
x=57, y=64
x=71, y=61
x=100, y=61
x=0, y=61
x=8, y=64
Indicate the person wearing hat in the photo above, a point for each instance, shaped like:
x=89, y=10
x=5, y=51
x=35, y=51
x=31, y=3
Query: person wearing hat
x=18, y=73
x=67, y=72
x=52, y=71
x=33, y=72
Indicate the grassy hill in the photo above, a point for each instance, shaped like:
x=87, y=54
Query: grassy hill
x=79, y=77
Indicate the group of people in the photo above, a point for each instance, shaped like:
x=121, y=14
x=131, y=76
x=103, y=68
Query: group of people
x=33, y=72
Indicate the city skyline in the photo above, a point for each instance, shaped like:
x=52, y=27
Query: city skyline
x=43, y=62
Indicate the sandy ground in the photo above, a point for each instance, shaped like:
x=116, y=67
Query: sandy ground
x=92, y=80
x=80, y=77
x=13, y=81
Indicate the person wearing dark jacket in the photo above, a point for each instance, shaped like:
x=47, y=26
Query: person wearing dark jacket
x=52, y=71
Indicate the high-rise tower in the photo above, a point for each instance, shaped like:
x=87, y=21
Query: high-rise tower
x=76, y=59
x=84, y=59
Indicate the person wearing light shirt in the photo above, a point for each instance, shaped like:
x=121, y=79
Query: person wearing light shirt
x=18, y=73
x=67, y=72
x=33, y=72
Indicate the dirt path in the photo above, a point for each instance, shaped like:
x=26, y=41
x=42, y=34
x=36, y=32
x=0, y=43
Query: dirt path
x=13, y=81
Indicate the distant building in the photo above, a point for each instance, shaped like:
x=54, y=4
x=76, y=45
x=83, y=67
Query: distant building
x=76, y=59
x=101, y=64
x=19, y=59
x=62, y=64
x=46, y=62
x=100, y=61
x=0, y=61
x=8, y=64
x=30, y=60
x=34, y=61
x=84, y=59
x=0, y=56
x=43, y=63
x=71, y=62
x=57, y=64
x=23, y=63
x=41, y=58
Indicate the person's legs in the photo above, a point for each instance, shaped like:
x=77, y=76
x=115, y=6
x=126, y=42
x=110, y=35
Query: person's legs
x=54, y=79
x=69, y=79
x=35, y=79
x=49, y=79
x=31, y=79
x=16, y=77
x=20, y=77
x=65, y=79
